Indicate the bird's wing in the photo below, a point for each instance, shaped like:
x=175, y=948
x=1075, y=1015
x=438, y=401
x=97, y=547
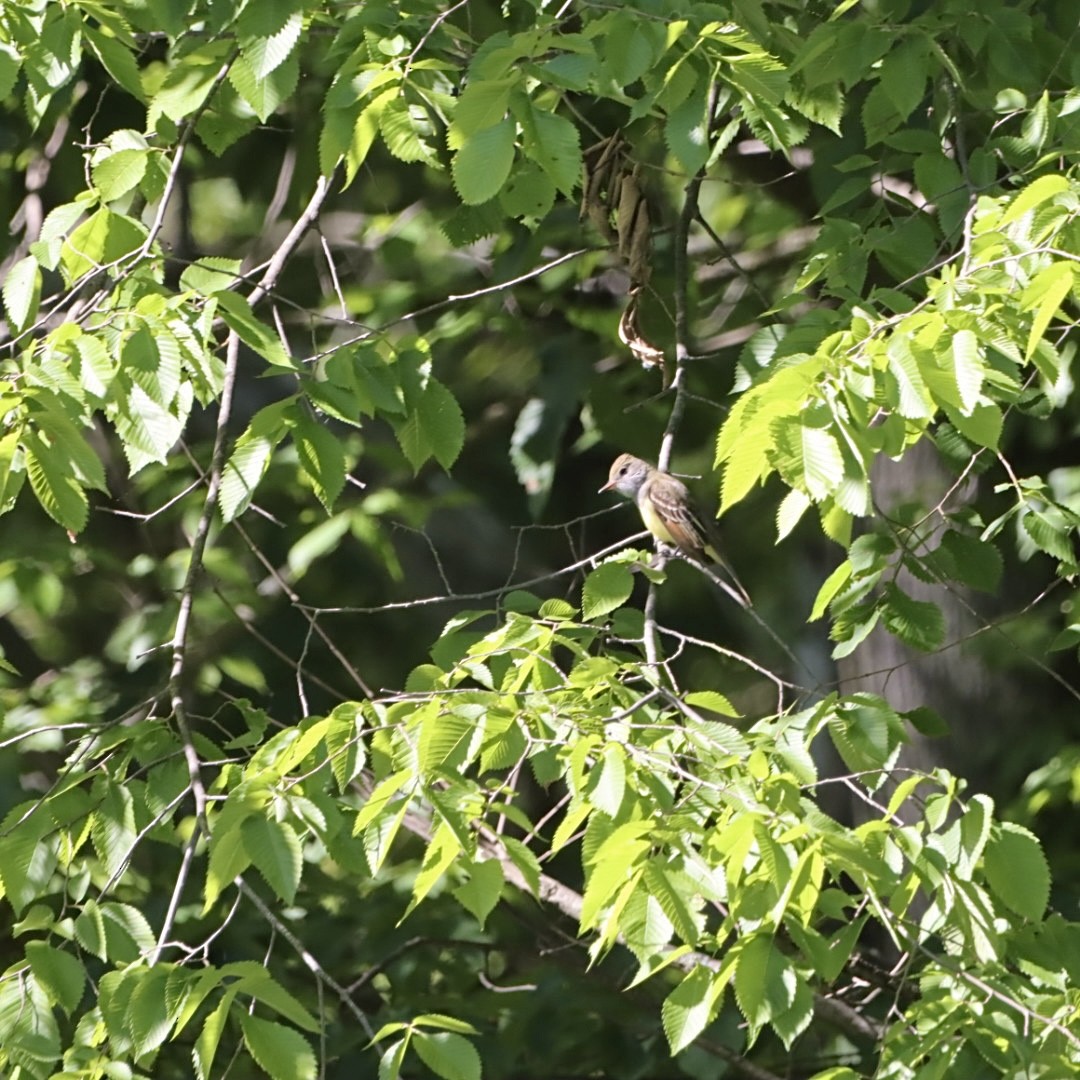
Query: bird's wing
x=671, y=500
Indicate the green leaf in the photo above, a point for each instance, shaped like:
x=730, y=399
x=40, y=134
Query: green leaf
x=830, y=587
x=435, y=427
x=789, y=1025
x=970, y=369
x=1045, y=293
x=1017, y=871
x=765, y=981
x=265, y=94
x=1035, y=194
x=914, y=402
x=440, y=855
x=264, y=54
x=147, y=1015
x=250, y=459
x=483, y=104
x=482, y=164
x=971, y=561
x=22, y=293
x=918, y=623
x=607, y=781
x=481, y=892
x=322, y=457
x=60, y=974
x=274, y=849
x=554, y=144
x=210, y=275
x=105, y=238
x=116, y=58
x=405, y=129
x=606, y=588
x=239, y=317
x=865, y=732
x=690, y=1008
x=686, y=131
x=67, y=439
x=118, y=173
x=448, y=1055
x=206, y=1045
x=822, y=461
x=187, y=85
x=528, y=193
x=1050, y=534
x=113, y=826
x=52, y=482
x=675, y=896
x=279, y=1050
x=257, y=982
x=983, y=426
x=712, y=701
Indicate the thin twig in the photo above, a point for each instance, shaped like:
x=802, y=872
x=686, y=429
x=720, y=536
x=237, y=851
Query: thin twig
x=310, y=961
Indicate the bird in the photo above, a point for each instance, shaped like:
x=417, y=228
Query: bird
x=668, y=511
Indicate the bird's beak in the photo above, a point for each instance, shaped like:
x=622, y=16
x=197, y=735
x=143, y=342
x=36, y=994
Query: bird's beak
x=607, y=487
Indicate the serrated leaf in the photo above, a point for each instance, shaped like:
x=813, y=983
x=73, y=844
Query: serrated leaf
x=322, y=457
x=266, y=53
x=52, y=482
x=1050, y=534
x=765, y=981
x=553, y=142
x=435, y=427
x=282, y=1052
x=974, y=562
x=249, y=460
x=22, y=293
x=822, y=461
x=113, y=827
x=1046, y=293
x=686, y=131
x=970, y=369
x=480, y=894
x=528, y=193
x=206, y=1045
x=1017, y=871
x=404, y=129
x=676, y=904
x=118, y=173
x=1035, y=194
x=60, y=974
x=482, y=164
x=712, y=701
x=483, y=103
x=440, y=855
x=690, y=1008
x=607, y=781
x=830, y=587
x=104, y=238
x=237, y=313
x=274, y=849
x=607, y=587
x=146, y=1013
x=914, y=402
x=448, y=1055
x=265, y=94
x=983, y=426
x=919, y=623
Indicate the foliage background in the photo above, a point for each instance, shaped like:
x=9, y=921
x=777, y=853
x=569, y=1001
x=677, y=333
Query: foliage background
x=318, y=347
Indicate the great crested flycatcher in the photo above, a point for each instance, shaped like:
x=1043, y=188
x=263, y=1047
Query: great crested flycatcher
x=667, y=510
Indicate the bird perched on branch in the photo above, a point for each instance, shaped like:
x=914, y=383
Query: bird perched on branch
x=667, y=510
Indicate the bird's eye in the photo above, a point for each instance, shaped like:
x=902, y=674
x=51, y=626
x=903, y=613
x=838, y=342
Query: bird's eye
x=624, y=470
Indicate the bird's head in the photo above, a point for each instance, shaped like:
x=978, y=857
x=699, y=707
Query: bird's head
x=627, y=475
